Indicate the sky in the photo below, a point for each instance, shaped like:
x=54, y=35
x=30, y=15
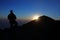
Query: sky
x=28, y=8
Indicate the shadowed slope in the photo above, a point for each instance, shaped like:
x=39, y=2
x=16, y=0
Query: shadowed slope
x=42, y=29
x=45, y=28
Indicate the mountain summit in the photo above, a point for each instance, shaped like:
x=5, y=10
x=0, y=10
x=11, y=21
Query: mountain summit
x=45, y=18
x=42, y=19
x=44, y=26
x=42, y=23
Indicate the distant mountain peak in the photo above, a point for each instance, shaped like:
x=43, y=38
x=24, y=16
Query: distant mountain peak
x=42, y=19
x=45, y=18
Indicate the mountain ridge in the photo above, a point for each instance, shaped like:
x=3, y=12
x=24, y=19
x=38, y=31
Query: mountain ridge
x=43, y=29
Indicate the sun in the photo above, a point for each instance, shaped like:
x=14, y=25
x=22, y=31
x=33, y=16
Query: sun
x=36, y=17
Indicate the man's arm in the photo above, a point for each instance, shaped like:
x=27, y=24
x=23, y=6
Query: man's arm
x=15, y=16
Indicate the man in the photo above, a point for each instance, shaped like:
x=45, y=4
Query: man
x=12, y=19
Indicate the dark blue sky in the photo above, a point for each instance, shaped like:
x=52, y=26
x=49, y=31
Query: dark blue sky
x=28, y=8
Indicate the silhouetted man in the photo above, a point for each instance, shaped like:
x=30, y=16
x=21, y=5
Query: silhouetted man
x=12, y=19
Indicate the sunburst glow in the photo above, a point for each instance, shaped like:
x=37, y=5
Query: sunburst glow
x=35, y=17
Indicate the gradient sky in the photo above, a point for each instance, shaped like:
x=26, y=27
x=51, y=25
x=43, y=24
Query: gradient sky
x=28, y=8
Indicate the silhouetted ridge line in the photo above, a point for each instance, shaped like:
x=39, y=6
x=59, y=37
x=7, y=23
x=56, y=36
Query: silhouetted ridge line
x=45, y=18
x=43, y=29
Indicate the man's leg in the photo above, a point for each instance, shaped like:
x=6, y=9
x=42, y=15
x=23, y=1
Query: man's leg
x=15, y=24
x=11, y=24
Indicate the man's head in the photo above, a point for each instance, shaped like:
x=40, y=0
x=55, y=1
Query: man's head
x=11, y=11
